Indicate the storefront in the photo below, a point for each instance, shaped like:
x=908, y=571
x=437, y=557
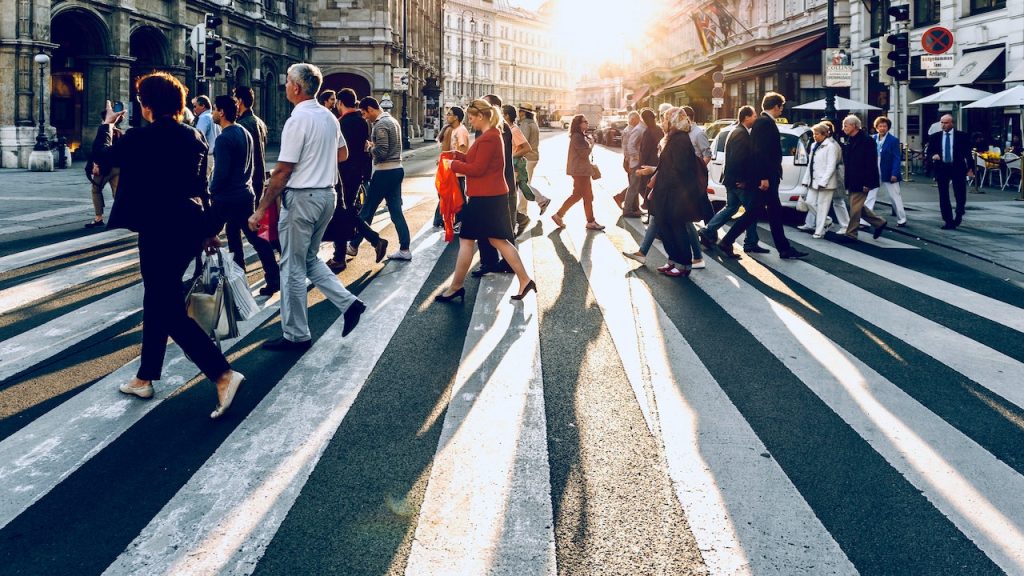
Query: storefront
x=793, y=69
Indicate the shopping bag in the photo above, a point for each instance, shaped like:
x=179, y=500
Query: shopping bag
x=207, y=303
x=268, y=223
x=238, y=290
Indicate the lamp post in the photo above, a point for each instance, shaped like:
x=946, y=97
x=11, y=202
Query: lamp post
x=41, y=160
x=406, y=144
x=462, y=49
x=514, y=84
x=830, y=42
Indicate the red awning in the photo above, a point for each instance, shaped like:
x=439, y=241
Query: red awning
x=640, y=94
x=776, y=54
x=685, y=79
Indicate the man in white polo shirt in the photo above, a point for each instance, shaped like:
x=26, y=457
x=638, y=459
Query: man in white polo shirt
x=307, y=170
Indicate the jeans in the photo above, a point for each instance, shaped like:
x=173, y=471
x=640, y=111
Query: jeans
x=304, y=217
x=649, y=235
x=236, y=213
x=735, y=197
x=385, y=186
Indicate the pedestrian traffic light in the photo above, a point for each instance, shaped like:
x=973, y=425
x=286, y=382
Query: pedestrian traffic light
x=899, y=55
x=881, y=58
x=211, y=45
x=900, y=13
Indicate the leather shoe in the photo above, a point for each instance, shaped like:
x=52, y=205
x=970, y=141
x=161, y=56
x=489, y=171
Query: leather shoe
x=380, y=249
x=727, y=250
x=283, y=344
x=355, y=310
x=948, y=226
x=756, y=250
x=705, y=240
x=95, y=224
x=879, y=229
x=503, y=268
x=792, y=254
x=269, y=290
x=481, y=271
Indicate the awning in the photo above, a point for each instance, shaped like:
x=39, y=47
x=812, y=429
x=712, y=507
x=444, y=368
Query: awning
x=640, y=94
x=969, y=67
x=775, y=54
x=685, y=79
x=1017, y=75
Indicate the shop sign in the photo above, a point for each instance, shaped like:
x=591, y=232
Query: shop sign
x=718, y=102
x=937, y=61
x=400, y=79
x=837, y=68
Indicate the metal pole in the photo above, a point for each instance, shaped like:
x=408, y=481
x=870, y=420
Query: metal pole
x=42, y=144
x=830, y=42
x=406, y=144
x=442, y=76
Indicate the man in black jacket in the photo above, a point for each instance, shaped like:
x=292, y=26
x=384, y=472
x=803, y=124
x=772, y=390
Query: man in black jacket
x=767, y=174
x=949, y=153
x=739, y=188
x=860, y=156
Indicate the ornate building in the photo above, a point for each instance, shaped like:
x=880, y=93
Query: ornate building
x=98, y=48
x=527, y=66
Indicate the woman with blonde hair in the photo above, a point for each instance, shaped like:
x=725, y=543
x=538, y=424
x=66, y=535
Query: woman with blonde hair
x=578, y=166
x=485, y=215
x=821, y=177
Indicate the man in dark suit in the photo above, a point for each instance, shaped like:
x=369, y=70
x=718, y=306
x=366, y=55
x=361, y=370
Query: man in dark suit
x=739, y=188
x=949, y=152
x=767, y=174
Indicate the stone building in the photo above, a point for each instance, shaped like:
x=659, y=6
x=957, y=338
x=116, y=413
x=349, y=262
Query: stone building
x=98, y=48
x=469, y=50
x=528, y=68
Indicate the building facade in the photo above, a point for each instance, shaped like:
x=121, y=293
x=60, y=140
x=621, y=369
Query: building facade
x=528, y=68
x=98, y=48
x=469, y=50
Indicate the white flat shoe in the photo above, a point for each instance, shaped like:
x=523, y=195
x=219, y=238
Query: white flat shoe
x=236, y=380
x=698, y=265
x=636, y=256
x=140, y=391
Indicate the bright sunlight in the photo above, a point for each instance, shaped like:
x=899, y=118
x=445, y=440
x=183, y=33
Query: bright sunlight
x=593, y=32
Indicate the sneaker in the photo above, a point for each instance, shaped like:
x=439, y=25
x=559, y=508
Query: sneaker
x=401, y=255
x=381, y=248
x=817, y=236
x=543, y=203
x=140, y=391
x=698, y=265
x=638, y=256
x=351, y=250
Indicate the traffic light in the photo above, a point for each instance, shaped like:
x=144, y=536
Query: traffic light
x=899, y=55
x=211, y=45
x=900, y=13
x=881, y=58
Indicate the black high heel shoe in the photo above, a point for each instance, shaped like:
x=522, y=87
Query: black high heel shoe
x=460, y=294
x=529, y=286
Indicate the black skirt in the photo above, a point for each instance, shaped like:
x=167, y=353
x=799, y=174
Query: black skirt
x=486, y=217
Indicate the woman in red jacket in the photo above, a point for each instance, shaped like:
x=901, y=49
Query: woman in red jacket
x=485, y=214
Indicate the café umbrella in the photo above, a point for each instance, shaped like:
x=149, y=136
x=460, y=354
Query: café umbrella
x=1010, y=98
x=953, y=95
x=841, y=104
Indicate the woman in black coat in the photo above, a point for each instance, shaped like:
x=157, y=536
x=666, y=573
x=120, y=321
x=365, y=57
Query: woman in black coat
x=161, y=196
x=677, y=199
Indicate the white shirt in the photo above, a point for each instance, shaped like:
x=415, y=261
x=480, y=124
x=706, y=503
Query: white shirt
x=311, y=139
x=209, y=128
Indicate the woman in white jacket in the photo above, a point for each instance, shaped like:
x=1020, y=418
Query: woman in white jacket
x=821, y=177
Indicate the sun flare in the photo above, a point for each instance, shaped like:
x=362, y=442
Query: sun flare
x=594, y=32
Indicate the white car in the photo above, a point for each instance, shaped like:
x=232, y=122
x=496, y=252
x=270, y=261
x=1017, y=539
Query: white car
x=793, y=138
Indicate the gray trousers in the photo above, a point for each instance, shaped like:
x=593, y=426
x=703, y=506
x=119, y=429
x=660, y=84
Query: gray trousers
x=305, y=214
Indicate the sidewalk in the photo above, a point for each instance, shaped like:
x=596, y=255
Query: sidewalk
x=992, y=229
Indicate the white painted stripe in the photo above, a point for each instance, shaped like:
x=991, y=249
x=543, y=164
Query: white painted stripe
x=989, y=308
x=745, y=513
x=44, y=214
x=974, y=489
x=41, y=455
x=989, y=368
x=66, y=278
x=222, y=520
x=15, y=229
x=51, y=251
x=36, y=199
x=487, y=508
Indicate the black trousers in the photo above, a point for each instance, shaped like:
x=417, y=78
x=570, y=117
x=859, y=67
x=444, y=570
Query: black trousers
x=236, y=214
x=767, y=202
x=346, y=219
x=163, y=260
x=944, y=174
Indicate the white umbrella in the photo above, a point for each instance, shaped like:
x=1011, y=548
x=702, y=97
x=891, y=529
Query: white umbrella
x=841, y=104
x=954, y=94
x=1005, y=99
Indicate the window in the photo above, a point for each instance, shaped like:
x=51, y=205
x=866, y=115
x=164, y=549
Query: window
x=926, y=12
x=448, y=21
x=487, y=49
x=880, y=18
x=978, y=6
x=487, y=29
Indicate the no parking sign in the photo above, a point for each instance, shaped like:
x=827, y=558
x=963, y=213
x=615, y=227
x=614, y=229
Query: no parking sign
x=937, y=40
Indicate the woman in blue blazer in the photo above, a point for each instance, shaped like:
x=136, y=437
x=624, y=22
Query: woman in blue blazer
x=889, y=157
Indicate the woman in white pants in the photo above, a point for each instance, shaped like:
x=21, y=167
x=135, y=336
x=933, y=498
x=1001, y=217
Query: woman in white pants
x=889, y=156
x=821, y=177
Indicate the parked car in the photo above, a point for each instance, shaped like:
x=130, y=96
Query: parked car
x=609, y=132
x=793, y=138
x=713, y=128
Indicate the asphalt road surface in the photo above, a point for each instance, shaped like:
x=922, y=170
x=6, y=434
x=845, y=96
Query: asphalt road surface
x=860, y=411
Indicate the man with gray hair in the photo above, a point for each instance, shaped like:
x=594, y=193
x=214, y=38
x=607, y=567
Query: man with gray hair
x=631, y=138
x=860, y=157
x=307, y=170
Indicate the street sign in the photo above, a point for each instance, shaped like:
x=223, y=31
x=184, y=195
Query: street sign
x=718, y=92
x=197, y=36
x=718, y=77
x=936, y=73
x=718, y=102
x=937, y=61
x=400, y=79
x=937, y=40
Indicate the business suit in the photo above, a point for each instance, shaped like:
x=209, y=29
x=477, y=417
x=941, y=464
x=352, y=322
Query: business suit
x=889, y=157
x=740, y=188
x=861, y=159
x=767, y=165
x=952, y=166
x=161, y=196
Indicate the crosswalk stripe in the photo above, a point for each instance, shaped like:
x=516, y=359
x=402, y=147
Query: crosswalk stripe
x=223, y=519
x=487, y=507
x=52, y=447
x=65, y=279
x=51, y=251
x=44, y=214
x=990, y=368
x=989, y=308
x=969, y=485
x=728, y=490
